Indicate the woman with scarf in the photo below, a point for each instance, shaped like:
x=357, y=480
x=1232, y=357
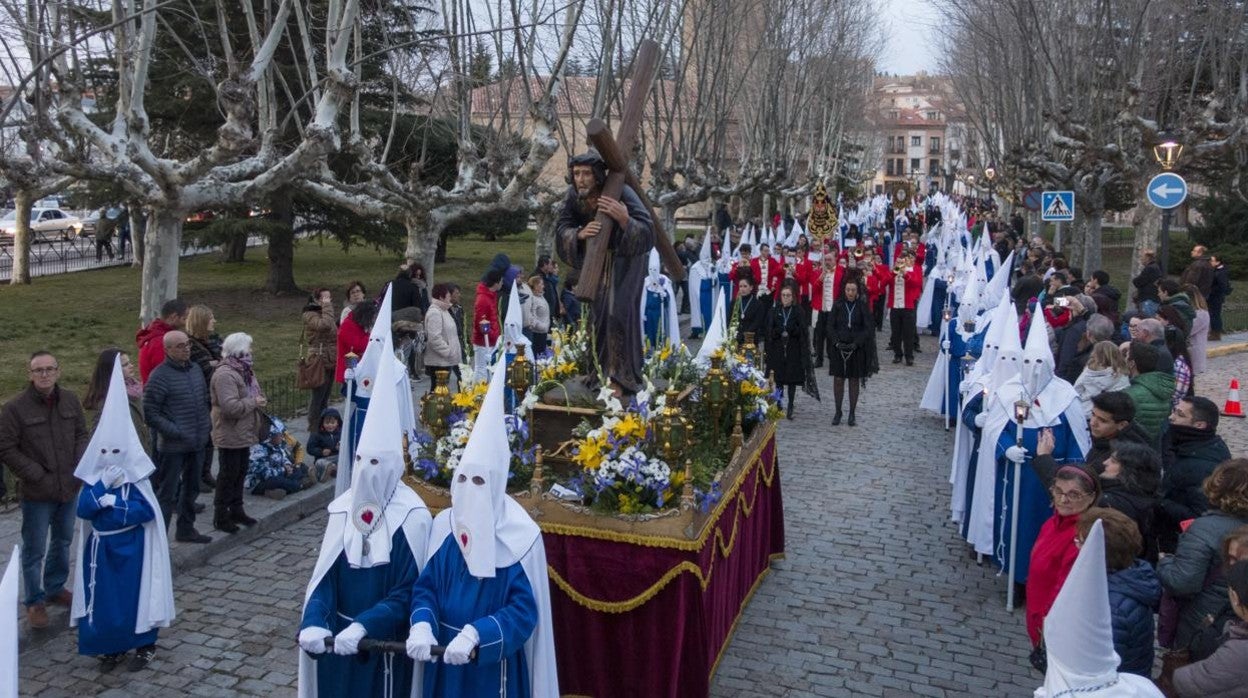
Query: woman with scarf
x=237, y=413
x=788, y=345
x=851, y=333
x=97, y=390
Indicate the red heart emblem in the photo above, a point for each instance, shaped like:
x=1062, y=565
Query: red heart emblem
x=366, y=382
x=464, y=538
x=367, y=516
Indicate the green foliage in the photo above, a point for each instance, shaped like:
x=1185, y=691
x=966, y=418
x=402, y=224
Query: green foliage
x=228, y=229
x=491, y=226
x=1224, y=220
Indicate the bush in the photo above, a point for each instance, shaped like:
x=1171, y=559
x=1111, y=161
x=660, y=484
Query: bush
x=491, y=225
x=1224, y=221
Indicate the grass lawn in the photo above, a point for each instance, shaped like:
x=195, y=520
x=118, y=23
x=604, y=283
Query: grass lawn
x=76, y=315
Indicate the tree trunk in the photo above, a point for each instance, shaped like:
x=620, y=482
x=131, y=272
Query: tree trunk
x=281, y=277
x=1092, y=244
x=137, y=232
x=544, y=218
x=1147, y=223
x=1072, y=241
x=440, y=255
x=234, y=251
x=669, y=218
x=24, y=201
x=423, y=232
x=162, y=249
x=766, y=210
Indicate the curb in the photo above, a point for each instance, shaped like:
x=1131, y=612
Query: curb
x=184, y=557
x=1228, y=349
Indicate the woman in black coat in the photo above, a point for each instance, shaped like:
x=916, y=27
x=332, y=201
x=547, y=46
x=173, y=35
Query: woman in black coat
x=851, y=329
x=1130, y=484
x=788, y=345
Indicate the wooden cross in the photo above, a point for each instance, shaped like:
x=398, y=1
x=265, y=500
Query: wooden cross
x=613, y=151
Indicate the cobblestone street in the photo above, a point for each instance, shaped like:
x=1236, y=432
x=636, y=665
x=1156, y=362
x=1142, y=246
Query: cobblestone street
x=877, y=596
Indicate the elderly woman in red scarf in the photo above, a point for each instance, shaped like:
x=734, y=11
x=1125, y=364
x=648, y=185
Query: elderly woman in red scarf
x=1074, y=490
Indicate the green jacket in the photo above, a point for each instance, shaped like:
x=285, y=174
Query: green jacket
x=1183, y=304
x=1151, y=393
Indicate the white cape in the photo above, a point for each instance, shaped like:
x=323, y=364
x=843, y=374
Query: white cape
x=934, y=394
x=8, y=627
x=1057, y=398
x=405, y=506
x=673, y=320
x=539, y=650
x=156, y=584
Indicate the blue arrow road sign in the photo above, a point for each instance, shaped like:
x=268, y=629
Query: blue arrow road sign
x=1057, y=206
x=1167, y=190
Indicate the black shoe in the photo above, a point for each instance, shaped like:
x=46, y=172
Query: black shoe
x=108, y=662
x=917, y=350
x=836, y=419
x=208, y=483
x=896, y=359
x=142, y=657
x=200, y=507
x=850, y=421
x=226, y=526
x=819, y=362
x=191, y=536
x=789, y=413
x=242, y=518
x=909, y=362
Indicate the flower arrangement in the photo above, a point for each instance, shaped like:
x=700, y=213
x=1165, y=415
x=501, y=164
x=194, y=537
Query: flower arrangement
x=569, y=354
x=675, y=367
x=435, y=461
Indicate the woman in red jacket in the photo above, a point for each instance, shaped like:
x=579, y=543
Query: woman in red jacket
x=486, y=328
x=353, y=334
x=1074, y=491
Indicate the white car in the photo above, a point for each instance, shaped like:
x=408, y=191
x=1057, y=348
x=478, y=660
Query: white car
x=45, y=223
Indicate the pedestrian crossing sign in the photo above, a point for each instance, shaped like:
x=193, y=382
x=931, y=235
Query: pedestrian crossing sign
x=1057, y=206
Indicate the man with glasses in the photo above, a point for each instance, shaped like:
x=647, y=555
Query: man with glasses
x=43, y=433
x=175, y=406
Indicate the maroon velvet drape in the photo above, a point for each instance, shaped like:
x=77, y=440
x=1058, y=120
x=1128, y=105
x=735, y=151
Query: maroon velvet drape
x=669, y=644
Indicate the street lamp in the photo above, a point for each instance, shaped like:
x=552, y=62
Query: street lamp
x=1167, y=154
x=990, y=174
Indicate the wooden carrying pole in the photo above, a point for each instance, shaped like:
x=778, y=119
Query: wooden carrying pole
x=601, y=139
x=593, y=266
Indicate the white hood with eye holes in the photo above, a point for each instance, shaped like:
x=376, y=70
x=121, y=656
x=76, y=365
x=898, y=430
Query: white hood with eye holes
x=490, y=528
x=115, y=442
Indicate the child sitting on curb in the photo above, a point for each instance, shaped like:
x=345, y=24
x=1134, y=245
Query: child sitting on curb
x=272, y=469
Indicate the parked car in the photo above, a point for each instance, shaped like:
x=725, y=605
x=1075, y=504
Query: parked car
x=90, y=224
x=45, y=223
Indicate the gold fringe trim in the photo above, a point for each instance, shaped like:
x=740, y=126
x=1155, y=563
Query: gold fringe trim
x=725, y=548
x=733, y=630
x=755, y=461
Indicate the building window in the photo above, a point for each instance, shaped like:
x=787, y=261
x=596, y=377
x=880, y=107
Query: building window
x=889, y=170
x=892, y=114
x=933, y=167
x=916, y=141
x=934, y=144
x=915, y=165
x=933, y=116
x=901, y=167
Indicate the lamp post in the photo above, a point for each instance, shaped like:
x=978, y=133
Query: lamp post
x=990, y=175
x=1167, y=154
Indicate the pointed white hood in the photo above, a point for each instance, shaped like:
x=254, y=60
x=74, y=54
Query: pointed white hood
x=1000, y=282
x=1078, y=633
x=704, y=254
x=366, y=369
x=1009, y=350
x=115, y=442
x=715, y=334
x=1038, y=364
x=968, y=307
x=514, y=340
x=375, y=473
x=654, y=269
x=491, y=530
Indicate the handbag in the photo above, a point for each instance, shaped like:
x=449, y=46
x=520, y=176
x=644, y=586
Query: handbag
x=310, y=369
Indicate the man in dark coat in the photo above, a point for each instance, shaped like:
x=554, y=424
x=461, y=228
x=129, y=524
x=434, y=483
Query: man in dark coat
x=403, y=289
x=1220, y=289
x=1145, y=283
x=176, y=407
x=616, y=316
x=1107, y=297
x=1199, y=272
x=1028, y=286
x=1191, y=449
x=1112, y=419
x=43, y=433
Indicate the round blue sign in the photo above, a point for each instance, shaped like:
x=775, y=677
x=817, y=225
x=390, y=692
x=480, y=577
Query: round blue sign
x=1167, y=190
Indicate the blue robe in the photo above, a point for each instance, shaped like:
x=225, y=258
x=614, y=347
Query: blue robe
x=1034, y=506
x=656, y=319
x=502, y=610
x=728, y=289
x=377, y=598
x=706, y=301
x=940, y=291
x=112, y=584
x=974, y=405
x=957, y=349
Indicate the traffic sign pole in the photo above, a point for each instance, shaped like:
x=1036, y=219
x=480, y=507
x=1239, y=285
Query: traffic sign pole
x=1166, y=191
x=1166, y=215
x=1057, y=237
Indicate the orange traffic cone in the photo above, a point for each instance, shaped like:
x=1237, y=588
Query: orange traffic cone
x=1233, y=408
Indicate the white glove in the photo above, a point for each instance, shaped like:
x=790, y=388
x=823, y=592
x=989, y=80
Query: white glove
x=108, y=501
x=945, y=345
x=420, y=641
x=1016, y=454
x=312, y=639
x=461, y=647
x=114, y=476
x=348, y=374
x=348, y=641
x=981, y=419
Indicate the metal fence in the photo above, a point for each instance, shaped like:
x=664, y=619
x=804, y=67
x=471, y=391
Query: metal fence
x=285, y=400
x=50, y=257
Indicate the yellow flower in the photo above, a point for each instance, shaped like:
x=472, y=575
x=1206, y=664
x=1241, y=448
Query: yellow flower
x=665, y=352
x=591, y=452
x=631, y=426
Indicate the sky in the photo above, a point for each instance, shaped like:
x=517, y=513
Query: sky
x=909, y=45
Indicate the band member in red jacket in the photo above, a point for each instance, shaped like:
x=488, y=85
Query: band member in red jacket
x=905, y=284
x=768, y=274
x=877, y=287
x=806, y=273
x=826, y=289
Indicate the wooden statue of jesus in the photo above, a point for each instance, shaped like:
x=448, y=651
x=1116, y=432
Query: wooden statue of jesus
x=615, y=314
